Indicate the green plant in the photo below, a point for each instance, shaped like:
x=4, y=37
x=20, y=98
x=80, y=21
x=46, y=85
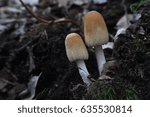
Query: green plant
x=111, y=90
x=134, y=7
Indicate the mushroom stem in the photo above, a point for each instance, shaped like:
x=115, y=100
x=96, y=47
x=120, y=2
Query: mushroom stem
x=83, y=72
x=100, y=57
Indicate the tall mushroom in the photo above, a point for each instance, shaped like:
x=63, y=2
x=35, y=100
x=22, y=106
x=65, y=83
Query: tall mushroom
x=77, y=52
x=96, y=34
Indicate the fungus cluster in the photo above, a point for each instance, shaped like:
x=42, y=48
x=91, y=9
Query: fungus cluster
x=95, y=35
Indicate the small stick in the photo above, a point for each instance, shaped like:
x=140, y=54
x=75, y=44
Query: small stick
x=9, y=72
x=37, y=17
x=31, y=60
x=58, y=21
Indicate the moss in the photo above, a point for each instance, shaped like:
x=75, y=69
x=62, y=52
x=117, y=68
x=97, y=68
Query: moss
x=111, y=90
x=135, y=6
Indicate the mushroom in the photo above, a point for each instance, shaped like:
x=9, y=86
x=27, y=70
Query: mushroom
x=96, y=34
x=77, y=52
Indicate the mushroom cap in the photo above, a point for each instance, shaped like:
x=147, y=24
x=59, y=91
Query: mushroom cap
x=95, y=29
x=75, y=48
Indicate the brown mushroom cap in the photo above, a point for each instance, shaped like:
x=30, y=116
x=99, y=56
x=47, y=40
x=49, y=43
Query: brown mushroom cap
x=95, y=29
x=75, y=48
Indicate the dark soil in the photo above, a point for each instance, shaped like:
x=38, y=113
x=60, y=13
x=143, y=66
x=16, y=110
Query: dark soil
x=40, y=49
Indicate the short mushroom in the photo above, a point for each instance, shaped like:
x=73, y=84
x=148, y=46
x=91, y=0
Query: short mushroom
x=76, y=52
x=96, y=34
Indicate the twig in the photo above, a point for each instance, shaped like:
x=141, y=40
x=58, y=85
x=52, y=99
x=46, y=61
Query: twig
x=37, y=17
x=46, y=35
x=58, y=21
x=31, y=61
x=13, y=75
x=76, y=87
x=8, y=82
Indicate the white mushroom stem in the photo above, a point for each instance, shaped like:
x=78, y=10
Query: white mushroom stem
x=100, y=58
x=83, y=72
